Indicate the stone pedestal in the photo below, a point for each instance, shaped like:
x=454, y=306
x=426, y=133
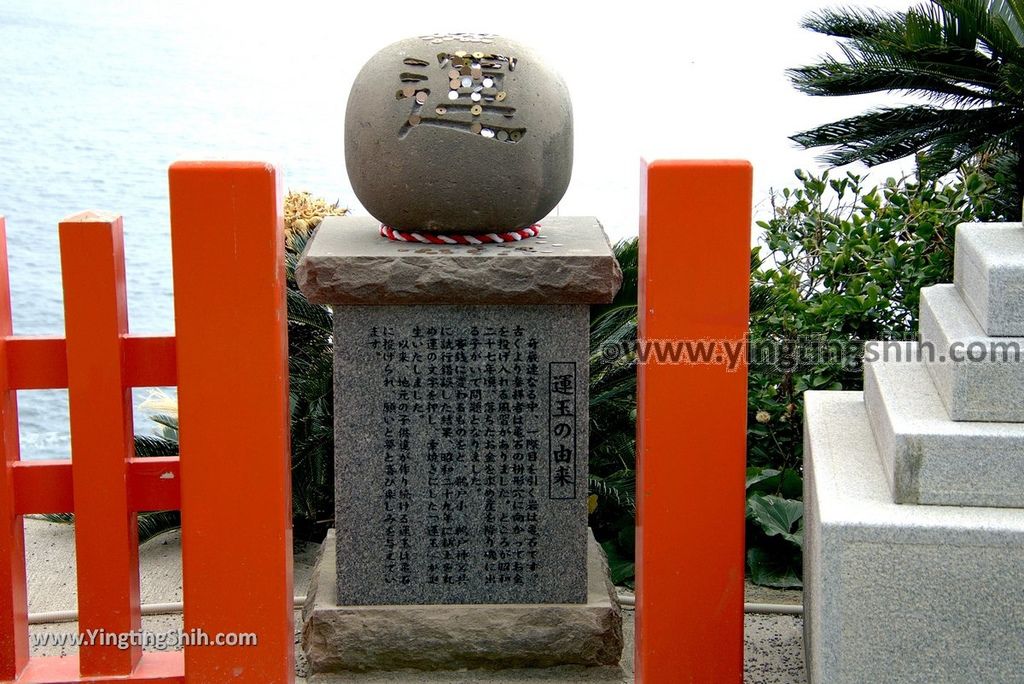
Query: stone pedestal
x=901, y=592
x=461, y=415
x=914, y=490
x=339, y=638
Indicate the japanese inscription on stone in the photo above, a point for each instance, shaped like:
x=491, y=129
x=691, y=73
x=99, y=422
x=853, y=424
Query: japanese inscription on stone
x=461, y=454
x=562, y=409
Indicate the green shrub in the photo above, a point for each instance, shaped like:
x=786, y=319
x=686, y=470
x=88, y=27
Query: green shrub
x=838, y=264
x=841, y=264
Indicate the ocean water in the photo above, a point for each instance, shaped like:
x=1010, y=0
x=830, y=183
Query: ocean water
x=93, y=109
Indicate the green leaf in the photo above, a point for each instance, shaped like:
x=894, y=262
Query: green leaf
x=771, y=570
x=762, y=479
x=792, y=486
x=621, y=569
x=777, y=516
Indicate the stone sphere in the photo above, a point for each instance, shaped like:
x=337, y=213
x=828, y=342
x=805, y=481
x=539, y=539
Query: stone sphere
x=459, y=133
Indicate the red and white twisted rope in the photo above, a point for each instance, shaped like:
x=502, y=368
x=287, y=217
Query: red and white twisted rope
x=459, y=239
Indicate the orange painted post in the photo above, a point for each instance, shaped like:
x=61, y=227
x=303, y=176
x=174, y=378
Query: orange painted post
x=13, y=599
x=691, y=425
x=229, y=302
x=99, y=397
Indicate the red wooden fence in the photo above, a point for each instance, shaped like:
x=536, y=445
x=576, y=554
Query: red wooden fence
x=232, y=481
x=691, y=422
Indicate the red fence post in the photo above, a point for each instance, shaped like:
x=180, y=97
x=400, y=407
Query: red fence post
x=691, y=423
x=13, y=598
x=106, y=530
x=229, y=301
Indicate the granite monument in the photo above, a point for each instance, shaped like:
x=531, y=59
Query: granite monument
x=461, y=352
x=914, y=489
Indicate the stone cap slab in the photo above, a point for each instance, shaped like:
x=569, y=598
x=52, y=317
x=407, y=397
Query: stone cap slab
x=929, y=458
x=979, y=377
x=348, y=262
x=988, y=268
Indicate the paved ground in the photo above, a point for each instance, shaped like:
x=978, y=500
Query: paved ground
x=773, y=649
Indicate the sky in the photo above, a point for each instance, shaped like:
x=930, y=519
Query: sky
x=656, y=80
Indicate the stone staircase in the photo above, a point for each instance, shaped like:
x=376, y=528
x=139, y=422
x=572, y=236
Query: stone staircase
x=914, y=489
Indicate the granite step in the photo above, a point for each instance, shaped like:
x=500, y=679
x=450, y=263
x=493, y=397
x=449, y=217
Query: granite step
x=898, y=592
x=979, y=377
x=989, y=272
x=928, y=458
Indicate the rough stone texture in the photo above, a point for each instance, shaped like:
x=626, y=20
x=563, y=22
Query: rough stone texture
x=989, y=272
x=896, y=592
x=930, y=459
x=348, y=262
x=452, y=637
x=414, y=166
x=979, y=377
x=773, y=649
x=486, y=501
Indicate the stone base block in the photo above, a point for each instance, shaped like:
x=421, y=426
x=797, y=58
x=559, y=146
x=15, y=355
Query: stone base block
x=897, y=592
x=452, y=637
x=928, y=458
x=989, y=272
x=978, y=377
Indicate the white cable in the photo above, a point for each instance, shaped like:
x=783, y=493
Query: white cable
x=758, y=608
x=171, y=608
x=176, y=607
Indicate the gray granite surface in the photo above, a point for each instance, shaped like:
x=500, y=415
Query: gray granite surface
x=901, y=592
x=979, y=377
x=461, y=440
x=348, y=262
x=929, y=458
x=989, y=272
x=454, y=637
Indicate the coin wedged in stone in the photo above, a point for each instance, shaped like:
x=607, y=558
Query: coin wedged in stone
x=495, y=154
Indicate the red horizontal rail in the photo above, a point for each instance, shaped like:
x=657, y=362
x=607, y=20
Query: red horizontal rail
x=154, y=484
x=41, y=362
x=44, y=486
x=155, y=667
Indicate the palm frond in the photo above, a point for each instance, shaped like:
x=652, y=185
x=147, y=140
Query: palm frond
x=619, y=488
x=888, y=134
x=1011, y=14
x=302, y=312
x=150, y=523
x=153, y=523
x=963, y=58
x=146, y=445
